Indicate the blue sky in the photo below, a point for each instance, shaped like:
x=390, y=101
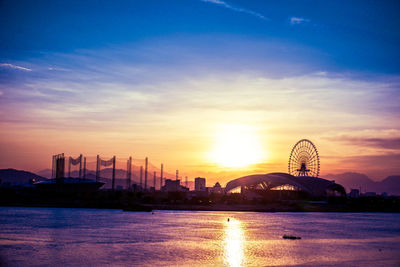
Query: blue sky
x=355, y=35
x=162, y=76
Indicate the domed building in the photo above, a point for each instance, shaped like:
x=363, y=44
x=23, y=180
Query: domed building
x=263, y=183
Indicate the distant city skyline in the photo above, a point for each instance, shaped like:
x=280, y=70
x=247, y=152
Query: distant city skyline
x=213, y=88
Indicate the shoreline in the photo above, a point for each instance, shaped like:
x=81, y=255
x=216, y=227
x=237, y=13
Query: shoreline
x=223, y=208
x=141, y=201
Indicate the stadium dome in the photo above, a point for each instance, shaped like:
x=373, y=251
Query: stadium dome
x=314, y=186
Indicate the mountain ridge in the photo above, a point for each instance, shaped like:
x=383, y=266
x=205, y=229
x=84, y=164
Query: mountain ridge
x=354, y=180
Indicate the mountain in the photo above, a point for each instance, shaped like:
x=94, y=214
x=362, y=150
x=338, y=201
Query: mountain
x=13, y=176
x=391, y=184
x=353, y=180
x=45, y=173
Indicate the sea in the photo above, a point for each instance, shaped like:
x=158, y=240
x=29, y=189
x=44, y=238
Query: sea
x=102, y=237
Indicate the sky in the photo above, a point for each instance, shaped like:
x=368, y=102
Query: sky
x=214, y=88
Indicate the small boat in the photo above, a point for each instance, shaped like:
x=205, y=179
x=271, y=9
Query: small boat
x=138, y=208
x=291, y=237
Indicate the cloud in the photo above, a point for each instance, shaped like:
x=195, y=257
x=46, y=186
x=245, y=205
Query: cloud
x=237, y=9
x=375, y=142
x=297, y=20
x=57, y=69
x=12, y=66
x=375, y=166
x=116, y=94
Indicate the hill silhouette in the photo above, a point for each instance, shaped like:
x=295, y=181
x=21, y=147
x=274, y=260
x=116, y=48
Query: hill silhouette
x=14, y=176
x=353, y=180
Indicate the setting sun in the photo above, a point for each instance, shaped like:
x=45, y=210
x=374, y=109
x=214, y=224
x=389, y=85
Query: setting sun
x=237, y=146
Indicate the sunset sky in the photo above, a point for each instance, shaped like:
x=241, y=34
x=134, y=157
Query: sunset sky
x=213, y=88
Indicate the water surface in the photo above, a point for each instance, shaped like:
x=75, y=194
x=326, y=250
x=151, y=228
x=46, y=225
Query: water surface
x=71, y=237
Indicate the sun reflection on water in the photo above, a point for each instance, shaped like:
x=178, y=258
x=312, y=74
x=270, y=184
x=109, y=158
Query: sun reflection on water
x=234, y=243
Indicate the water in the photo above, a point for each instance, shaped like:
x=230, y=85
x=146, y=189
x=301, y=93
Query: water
x=90, y=237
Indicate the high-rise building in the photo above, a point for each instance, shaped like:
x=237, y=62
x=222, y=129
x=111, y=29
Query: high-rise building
x=200, y=184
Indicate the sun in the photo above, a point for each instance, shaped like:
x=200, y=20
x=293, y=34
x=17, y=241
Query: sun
x=237, y=146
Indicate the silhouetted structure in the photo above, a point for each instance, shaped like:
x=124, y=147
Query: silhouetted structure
x=354, y=193
x=105, y=163
x=217, y=189
x=145, y=175
x=128, y=173
x=62, y=184
x=141, y=177
x=58, y=170
x=174, y=186
x=84, y=168
x=176, y=179
x=199, y=184
x=161, y=176
x=260, y=183
x=76, y=161
x=304, y=159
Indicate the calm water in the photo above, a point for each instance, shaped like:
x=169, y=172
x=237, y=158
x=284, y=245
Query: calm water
x=52, y=236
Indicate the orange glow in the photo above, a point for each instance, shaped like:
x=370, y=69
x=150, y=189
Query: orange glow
x=237, y=146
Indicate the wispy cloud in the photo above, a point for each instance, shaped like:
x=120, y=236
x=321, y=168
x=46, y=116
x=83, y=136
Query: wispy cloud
x=12, y=66
x=237, y=9
x=376, y=166
x=297, y=20
x=385, y=143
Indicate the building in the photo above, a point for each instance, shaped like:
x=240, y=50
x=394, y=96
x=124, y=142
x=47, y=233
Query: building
x=262, y=183
x=200, y=184
x=216, y=189
x=354, y=193
x=173, y=186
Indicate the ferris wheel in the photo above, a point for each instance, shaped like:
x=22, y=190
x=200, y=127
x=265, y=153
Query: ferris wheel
x=304, y=159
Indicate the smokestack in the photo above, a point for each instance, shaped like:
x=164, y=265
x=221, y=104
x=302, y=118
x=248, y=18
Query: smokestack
x=176, y=179
x=80, y=166
x=145, y=175
x=141, y=177
x=129, y=173
x=154, y=182
x=53, y=167
x=113, y=174
x=161, y=176
x=97, y=168
x=84, y=168
x=69, y=167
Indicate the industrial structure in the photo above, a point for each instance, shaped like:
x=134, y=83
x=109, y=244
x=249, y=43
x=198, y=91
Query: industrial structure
x=59, y=173
x=60, y=183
